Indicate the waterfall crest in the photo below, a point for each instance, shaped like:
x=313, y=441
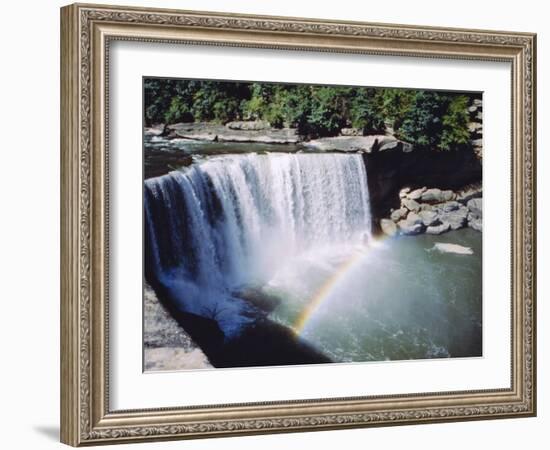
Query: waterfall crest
x=235, y=220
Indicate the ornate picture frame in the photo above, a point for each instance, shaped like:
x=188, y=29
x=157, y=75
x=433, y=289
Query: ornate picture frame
x=87, y=32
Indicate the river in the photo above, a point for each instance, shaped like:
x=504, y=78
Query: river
x=239, y=226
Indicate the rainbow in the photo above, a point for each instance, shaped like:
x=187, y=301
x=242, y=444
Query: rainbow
x=323, y=293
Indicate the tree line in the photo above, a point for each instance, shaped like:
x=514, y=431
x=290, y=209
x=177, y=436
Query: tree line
x=429, y=119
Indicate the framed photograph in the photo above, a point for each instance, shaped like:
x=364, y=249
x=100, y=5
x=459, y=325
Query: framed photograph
x=280, y=224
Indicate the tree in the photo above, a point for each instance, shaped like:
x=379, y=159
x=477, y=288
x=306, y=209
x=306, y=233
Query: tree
x=422, y=123
x=428, y=119
x=366, y=111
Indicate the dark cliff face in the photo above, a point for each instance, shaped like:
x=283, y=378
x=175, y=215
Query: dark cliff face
x=391, y=170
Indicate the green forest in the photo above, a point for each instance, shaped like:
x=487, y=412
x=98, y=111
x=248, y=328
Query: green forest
x=427, y=119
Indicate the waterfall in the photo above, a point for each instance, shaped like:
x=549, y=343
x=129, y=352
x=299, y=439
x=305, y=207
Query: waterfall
x=234, y=220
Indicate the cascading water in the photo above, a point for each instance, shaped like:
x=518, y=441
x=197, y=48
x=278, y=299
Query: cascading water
x=237, y=220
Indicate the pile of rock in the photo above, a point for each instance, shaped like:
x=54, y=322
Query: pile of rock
x=434, y=211
x=475, y=126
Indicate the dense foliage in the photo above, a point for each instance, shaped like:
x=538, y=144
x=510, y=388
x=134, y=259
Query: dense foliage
x=436, y=120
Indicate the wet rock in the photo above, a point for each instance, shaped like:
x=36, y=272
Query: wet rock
x=429, y=217
x=411, y=205
x=456, y=218
x=436, y=195
x=411, y=225
x=475, y=206
x=471, y=192
x=416, y=194
x=412, y=217
x=476, y=224
x=426, y=207
x=263, y=302
x=388, y=227
x=156, y=130
x=450, y=206
x=399, y=214
x=410, y=228
x=438, y=229
x=403, y=192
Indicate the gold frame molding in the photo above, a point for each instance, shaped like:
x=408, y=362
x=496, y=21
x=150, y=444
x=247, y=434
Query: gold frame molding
x=86, y=31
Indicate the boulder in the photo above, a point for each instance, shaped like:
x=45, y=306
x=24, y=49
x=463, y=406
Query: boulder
x=438, y=229
x=399, y=214
x=416, y=194
x=411, y=205
x=471, y=192
x=410, y=228
x=436, y=195
x=389, y=228
x=414, y=218
x=449, y=206
x=403, y=192
x=475, y=206
x=475, y=224
x=429, y=217
x=426, y=207
x=156, y=130
x=448, y=195
x=456, y=218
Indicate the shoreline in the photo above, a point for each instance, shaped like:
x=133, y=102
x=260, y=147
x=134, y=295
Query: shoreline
x=401, y=178
x=246, y=133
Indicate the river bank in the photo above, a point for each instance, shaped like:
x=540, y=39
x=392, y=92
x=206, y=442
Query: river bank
x=411, y=190
x=274, y=241
x=435, y=211
x=167, y=346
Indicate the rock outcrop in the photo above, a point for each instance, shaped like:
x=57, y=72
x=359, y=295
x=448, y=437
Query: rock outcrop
x=166, y=345
x=475, y=126
x=434, y=211
x=389, y=227
x=364, y=144
x=446, y=173
x=249, y=125
x=233, y=132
